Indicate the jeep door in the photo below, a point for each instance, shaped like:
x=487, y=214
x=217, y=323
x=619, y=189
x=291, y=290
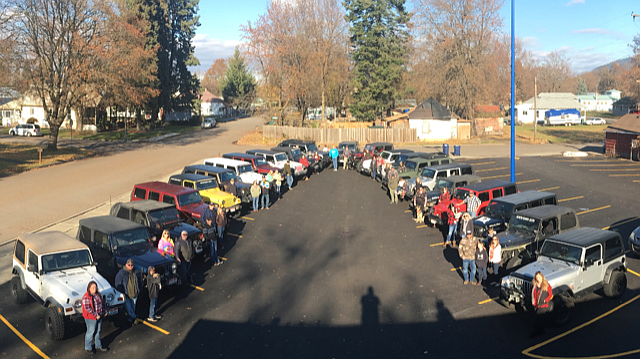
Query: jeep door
x=101, y=251
x=32, y=278
x=592, y=266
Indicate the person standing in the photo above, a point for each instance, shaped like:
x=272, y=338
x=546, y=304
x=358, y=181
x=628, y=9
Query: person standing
x=153, y=285
x=374, y=167
x=93, y=311
x=466, y=224
x=232, y=188
x=419, y=203
x=316, y=159
x=445, y=197
x=288, y=174
x=255, y=195
x=266, y=201
x=305, y=163
x=184, y=254
x=541, y=295
x=221, y=224
x=165, y=245
x=334, y=157
x=473, y=202
x=345, y=157
x=129, y=282
x=393, y=186
x=277, y=177
x=209, y=225
x=495, y=255
x=467, y=252
x=482, y=258
x=452, y=223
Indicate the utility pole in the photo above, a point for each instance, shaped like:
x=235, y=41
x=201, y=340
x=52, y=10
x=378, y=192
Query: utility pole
x=634, y=16
x=535, y=108
x=513, y=92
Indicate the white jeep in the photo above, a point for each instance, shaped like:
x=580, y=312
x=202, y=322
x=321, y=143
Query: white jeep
x=55, y=270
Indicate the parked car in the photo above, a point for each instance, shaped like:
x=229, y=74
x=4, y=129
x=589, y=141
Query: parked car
x=415, y=165
x=114, y=240
x=308, y=148
x=55, y=269
x=353, y=147
x=634, y=241
x=259, y=164
x=244, y=170
x=430, y=175
x=278, y=159
x=595, y=121
x=26, y=129
x=158, y=216
x=187, y=200
x=451, y=184
x=377, y=147
x=485, y=191
x=223, y=176
x=388, y=156
x=208, y=122
x=499, y=210
x=209, y=190
x=576, y=264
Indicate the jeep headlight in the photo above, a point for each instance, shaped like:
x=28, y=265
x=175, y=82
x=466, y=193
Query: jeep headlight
x=77, y=304
x=110, y=297
x=174, y=268
x=505, y=282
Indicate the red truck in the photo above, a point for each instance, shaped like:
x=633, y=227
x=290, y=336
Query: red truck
x=187, y=200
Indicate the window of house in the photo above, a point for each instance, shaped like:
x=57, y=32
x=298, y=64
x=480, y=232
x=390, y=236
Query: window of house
x=33, y=110
x=425, y=127
x=524, y=113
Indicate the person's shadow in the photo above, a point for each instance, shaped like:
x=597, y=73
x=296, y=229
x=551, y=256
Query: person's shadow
x=370, y=304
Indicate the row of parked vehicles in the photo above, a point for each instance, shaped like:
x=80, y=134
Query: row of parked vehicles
x=534, y=232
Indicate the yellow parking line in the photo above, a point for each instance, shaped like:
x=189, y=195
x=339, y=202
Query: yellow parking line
x=455, y=269
x=198, y=288
x=499, y=176
x=626, y=175
x=436, y=244
x=569, y=199
x=488, y=300
x=483, y=163
x=249, y=218
x=616, y=165
x=235, y=235
x=548, y=189
x=636, y=180
x=25, y=340
x=593, y=210
x=153, y=326
x=422, y=226
x=621, y=223
x=492, y=169
x=613, y=169
x=582, y=160
x=223, y=258
x=528, y=181
x=407, y=211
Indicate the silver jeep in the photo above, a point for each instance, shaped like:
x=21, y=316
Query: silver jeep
x=575, y=264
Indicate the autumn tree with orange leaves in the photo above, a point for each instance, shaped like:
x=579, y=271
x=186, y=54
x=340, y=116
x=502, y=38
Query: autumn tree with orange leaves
x=215, y=73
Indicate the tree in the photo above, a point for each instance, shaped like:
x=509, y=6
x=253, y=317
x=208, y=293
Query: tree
x=554, y=73
x=581, y=88
x=633, y=74
x=378, y=34
x=213, y=75
x=238, y=84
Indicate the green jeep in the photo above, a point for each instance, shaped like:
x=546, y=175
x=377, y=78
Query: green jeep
x=415, y=165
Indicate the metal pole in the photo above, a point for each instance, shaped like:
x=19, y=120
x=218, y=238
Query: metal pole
x=535, y=108
x=513, y=90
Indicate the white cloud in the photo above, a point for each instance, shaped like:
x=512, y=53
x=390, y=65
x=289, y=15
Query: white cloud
x=207, y=50
x=529, y=42
x=599, y=31
x=574, y=2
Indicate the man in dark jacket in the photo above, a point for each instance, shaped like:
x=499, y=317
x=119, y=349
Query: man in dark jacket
x=231, y=188
x=129, y=282
x=153, y=285
x=393, y=186
x=183, y=249
x=287, y=172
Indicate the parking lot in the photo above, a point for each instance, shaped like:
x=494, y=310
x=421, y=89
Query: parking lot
x=334, y=271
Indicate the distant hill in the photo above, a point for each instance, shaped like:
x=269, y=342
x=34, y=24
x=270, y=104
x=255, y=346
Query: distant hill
x=626, y=63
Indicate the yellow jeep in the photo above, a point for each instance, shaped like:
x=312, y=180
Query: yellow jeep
x=209, y=190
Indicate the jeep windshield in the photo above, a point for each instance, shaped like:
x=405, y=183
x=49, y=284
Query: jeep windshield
x=312, y=147
x=206, y=184
x=352, y=148
x=368, y=148
x=561, y=251
x=66, y=260
x=461, y=194
x=228, y=176
x=443, y=184
x=385, y=155
x=411, y=166
x=245, y=169
x=130, y=238
x=281, y=157
x=428, y=173
x=189, y=198
x=295, y=152
x=261, y=162
x=499, y=210
x=164, y=216
x=524, y=224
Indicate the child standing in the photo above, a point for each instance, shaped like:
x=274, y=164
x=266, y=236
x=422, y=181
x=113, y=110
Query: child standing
x=482, y=258
x=154, y=285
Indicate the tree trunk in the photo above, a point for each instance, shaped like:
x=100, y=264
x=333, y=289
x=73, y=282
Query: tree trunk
x=53, y=136
x=154, y=118
x=323, y=117
x=138, y=119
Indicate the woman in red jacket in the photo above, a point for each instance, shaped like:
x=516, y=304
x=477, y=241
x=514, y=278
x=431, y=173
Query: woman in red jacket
x=92, y=311
x=541, y=296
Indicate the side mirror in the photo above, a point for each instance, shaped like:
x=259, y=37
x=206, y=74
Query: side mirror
x=588, y=262
x=31, y=268
x=94, y=264
x=537, y=252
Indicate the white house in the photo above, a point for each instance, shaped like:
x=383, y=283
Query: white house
x=433, y=121
x=546, y=101
x=211, y=104
x=594, y=101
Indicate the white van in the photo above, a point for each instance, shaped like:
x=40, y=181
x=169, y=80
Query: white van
x=244, y=170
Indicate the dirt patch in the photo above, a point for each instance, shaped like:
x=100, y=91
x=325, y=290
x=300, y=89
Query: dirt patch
x=16, y=158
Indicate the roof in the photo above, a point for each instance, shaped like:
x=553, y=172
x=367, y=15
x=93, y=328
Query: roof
x=483, y=186
x=210, y=98
x=555, y=100
x=146, y=205
x=110, y=224
x=461, y=178
x=206, y=168
x=227, y=161
x=585, y=236
x=525, y=196
x=50, y=242
x=488, y=108
x=409, y=102
x=592, y=97
x=552, y=113
x=241, y=155
x=546, y=211
x=378, y=144
x=399, y=151
x=448, y=165
x=165, y=187
x=266, y=152
x=430, y=109
x=626, y=101
x=191, y=177
x=628, y=123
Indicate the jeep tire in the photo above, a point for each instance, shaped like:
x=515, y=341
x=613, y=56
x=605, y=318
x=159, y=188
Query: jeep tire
x=55, y=323
x=17, y=292
x=616, y=286
x=561, y=311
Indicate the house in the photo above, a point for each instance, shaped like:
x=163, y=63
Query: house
x=546, y=101
x=433, y=121
x=624, y=105
x=620, y=135
x=212, y=104
x=594, y=101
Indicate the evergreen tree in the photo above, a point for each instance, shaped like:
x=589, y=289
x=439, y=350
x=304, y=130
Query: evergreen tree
x=378, y=39
x=238, y=84
x=581, y=87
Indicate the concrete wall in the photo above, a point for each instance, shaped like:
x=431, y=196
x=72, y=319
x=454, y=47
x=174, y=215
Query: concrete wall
x=435, y=129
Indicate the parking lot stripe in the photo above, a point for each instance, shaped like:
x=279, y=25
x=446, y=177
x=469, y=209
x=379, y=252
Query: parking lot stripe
x=621, y=223
x=636, y=180
x=407, y=211
x=626, y=175
x=585, y=161
x=499, y=176
x=632, y=272
x=25, y=340
x=569, y=199
x=482, y=163
x=223, y=258
x=613, y=169
x=455, y=269
x=198, y=288
x=422, y=226
x=595, y=209
x=488, y=300
x=548, y=189
x=606, y=165
x=153, y=326
x=436, y=244
x=235, y=235
x=249, y=218
x=528, y=351
x=492, y=169
x=528, y=181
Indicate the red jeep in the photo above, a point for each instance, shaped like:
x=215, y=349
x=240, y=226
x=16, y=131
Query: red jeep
x=187, y=200
x=486, y=191
x=259, y=164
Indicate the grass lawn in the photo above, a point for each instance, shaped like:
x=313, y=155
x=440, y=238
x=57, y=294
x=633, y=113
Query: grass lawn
x=119, y=134
x=15, y=158
x=561, y=134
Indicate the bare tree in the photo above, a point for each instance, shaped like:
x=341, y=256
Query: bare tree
x=555, y=73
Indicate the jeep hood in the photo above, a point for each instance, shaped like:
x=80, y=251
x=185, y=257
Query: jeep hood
x=142, y=256
x=487, y=222
x=176, y=230
x=249, y=177
x=511, y=238
x=74, y=281
x=554, y=270
x=195, y=208
x=218, y=194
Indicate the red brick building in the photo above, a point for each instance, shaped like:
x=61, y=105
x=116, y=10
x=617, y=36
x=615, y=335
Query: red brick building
x=620, y=136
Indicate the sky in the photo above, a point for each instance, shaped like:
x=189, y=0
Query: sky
x=590, y=33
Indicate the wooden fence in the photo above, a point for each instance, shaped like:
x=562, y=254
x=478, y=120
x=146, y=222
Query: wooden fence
x=335, y=135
